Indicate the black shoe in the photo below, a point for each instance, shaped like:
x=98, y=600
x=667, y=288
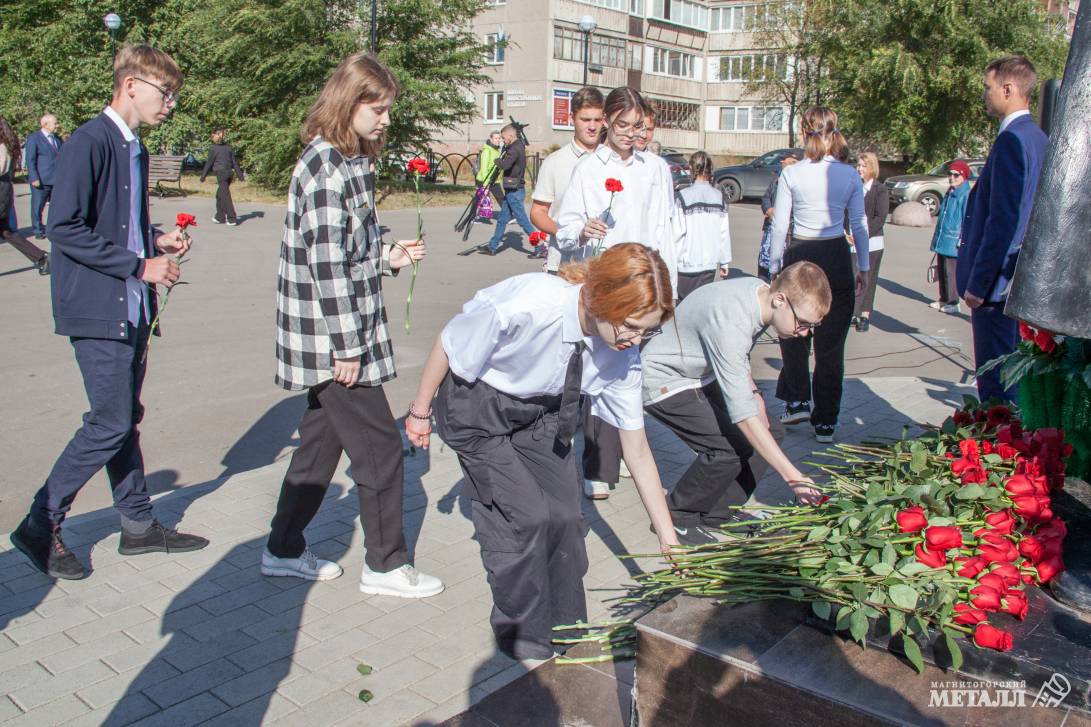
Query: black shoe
x=796, y=412
x=159, y=539
x=692, y=535
x=39, y=235
x=486, y=250
x=863, y=324
x=824, y=433
x=48, y=552
x=43, y=265
x=854, y=320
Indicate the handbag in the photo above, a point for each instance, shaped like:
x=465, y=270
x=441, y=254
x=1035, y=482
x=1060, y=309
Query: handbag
x=933, y=269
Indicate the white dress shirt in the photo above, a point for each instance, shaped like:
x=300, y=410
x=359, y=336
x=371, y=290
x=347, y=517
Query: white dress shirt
x=642, y=212
x=1010, y=118
x=553, y=179
x=706, y=230
x=812, y=197
x=517, y=336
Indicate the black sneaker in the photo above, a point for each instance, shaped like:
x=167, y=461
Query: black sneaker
x=486, y=250
x=824, y=433
x=43, y=265
x=795, y=412
x=48, y=552
x=159, y=539
x=863, y=324
x=692, y=535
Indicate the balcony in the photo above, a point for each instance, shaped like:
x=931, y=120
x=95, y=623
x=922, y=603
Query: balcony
x=572, y=72
x=679, y=88
x=742, y=143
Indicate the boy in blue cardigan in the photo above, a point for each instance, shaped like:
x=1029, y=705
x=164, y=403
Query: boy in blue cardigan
x=106, y=258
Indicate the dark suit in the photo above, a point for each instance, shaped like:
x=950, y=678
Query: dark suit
x=40, y=160
x=222, y=163
x=997, y=214
x=88, y=226
x=876, y=207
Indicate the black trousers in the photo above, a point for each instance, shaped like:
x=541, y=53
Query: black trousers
x=824, y=388
x=727, y=469
x=526, y=509
x=225, y=207
x=358, y=421
x=7, y=198
x=866, y=302
x=945, y=276
x=601, y=448
x=689, y=282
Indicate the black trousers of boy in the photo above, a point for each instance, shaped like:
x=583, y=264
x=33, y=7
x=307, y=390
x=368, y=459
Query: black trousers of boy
x=689, y=282
x=727, y=469
x=358, y=421
x=225, y=207
x=795, y=382
x=525, y=494
x=601, y=448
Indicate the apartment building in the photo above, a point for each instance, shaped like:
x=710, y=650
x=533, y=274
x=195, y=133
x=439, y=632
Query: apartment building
x=688, y=57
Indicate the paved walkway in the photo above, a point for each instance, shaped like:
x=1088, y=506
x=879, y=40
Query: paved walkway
x=203, y=638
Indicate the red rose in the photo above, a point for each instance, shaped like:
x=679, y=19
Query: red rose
x=911, y=519
x=1032, y=549
x=989, y=536
x=1054, y=529
x=997, y=415
x=1033, y=507
x=991, y=637
x=942, y=537
x=937, y=559
x=985, y=597
x=1044, y=340
x=1049, y=569
x=1010, y=573
x=1005, y=553
x=537, y=237
x=962, y=418
x=971, y=566
x=1006, y=450
x=1025, y=332
x=969, y=449
x=968, y=615
x=972, y=473
x=183, y=221
x=993, y=581
x=417, y=165
x=1001, y=522
x=1015, y=603
x=613, y=185
x=1023, y=485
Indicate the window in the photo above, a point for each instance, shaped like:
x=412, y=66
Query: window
x=672, y=63
x=680, y=12
x=739, y=18
x=636, y=56
x=753, y=67
x=496, y=2
x=495, y=54
x=636, y=7
x=605, y=50
x=621, y=5
x=494, y=106
x=752, y=118
x=677, y=114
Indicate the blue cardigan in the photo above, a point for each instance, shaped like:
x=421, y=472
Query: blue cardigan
x=88, y=221
x=949, y=226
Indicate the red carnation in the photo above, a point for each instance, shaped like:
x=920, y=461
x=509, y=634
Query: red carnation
x=938, y=559
x=1044, y=340
x=985, y=597
x=417, y=165
x=943, y=537
x=1025, y=332
x=968, y=615
x=613, y=185
x=537, y=237
x=963, y=418
x=1010, y=573
x=1015, y=603
x=183, y=220
x=997, y=415
x=1001, y=522
x=971, y=566
x=911, y=519
x=1006, y=450
x=1049, y=569
x=991, y=637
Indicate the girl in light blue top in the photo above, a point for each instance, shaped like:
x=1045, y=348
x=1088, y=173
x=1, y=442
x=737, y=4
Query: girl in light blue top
x=948, y=233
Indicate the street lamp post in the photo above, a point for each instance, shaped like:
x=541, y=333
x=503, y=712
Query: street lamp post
x=587, y=25
x=112, y=21
x=374, y=26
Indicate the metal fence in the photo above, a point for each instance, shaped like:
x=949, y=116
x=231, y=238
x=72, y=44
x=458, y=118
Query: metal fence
x=453, y=169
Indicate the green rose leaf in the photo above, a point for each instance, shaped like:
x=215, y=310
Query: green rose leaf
x=918, y=462
x=970, y=492
x=913, y=568
x=897, y=622
x=904, y=596
x=882, y=569
x=818, y=533
x=821, y=609
x=954, y=650
x=858, y=625
x=795, y=592
x=843, y=615
x=913, y=653
x=890, y=556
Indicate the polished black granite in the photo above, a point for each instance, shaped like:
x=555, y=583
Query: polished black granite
x=699, y=663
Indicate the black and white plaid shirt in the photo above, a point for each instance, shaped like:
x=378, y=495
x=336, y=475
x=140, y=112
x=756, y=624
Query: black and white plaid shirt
x=329, y=288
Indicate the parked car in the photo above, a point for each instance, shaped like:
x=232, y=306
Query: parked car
x=750, y=179
x=679, y=164
x=928, y=188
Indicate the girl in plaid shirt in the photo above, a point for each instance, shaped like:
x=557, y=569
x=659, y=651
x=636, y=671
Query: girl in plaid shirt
x=332, y=336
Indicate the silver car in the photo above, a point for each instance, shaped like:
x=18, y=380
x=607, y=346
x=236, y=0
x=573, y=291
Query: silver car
x=928, y=188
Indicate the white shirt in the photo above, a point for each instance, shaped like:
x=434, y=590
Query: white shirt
x=706, y=232
x=874, y=243
x=1010, y=118
x=553, y=179
x=517, y=336
x=642, y=212
x=813, y=197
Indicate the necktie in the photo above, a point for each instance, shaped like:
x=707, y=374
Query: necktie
x=570, y=396
x=52, y=140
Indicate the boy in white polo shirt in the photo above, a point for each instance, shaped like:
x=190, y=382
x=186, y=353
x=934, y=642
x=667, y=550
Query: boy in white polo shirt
x=556, y=171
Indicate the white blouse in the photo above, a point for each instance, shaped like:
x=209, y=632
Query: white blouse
x=643, y=211
x=813, y=197
x=517, y=336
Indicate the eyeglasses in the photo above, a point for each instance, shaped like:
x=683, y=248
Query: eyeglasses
x=169, y=96
x=801, y=324
x=626, y=129
x=624, y=334
x=954, y=174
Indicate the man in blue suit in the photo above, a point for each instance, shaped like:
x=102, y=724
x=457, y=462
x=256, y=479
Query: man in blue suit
x=997, y=214
x=40, y=159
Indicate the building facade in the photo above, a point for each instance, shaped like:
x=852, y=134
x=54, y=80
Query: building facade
x=688, y=57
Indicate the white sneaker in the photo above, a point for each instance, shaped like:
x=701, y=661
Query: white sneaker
x=595, y=490
x=950, y=308
x=215, y=221
x=306, y=566
x=935, y=305
x=404, y=582
x=625, y=471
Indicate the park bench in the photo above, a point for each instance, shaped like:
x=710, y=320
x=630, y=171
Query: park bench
x=163, y=168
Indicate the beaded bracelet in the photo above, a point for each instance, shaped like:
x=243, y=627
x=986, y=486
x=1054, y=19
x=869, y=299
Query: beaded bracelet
x=422, y=417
